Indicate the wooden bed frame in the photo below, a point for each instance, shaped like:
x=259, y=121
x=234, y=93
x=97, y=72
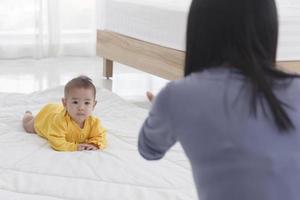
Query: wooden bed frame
x=151, y=58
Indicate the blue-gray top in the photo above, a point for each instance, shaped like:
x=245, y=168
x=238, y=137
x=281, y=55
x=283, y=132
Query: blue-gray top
x=234, y=154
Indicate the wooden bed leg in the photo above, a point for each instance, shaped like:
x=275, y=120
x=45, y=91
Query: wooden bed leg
x=107, y=68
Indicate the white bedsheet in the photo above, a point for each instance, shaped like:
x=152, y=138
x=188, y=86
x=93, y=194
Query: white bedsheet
x=163, y=22
x=30, y=169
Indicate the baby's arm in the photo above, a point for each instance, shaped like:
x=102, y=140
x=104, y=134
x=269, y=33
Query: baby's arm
x=59, y=143
x=97, y=136
x=57, y=138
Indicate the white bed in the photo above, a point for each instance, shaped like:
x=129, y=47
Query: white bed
x=150, y=34
x=30, y=169
x=155, y=21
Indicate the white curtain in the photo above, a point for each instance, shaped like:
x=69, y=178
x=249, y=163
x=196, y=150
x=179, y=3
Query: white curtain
x=47, y=28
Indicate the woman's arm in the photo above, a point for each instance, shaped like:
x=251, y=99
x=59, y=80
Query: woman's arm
x=156, y=135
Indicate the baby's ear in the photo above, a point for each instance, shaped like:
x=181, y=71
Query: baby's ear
x=64, y=102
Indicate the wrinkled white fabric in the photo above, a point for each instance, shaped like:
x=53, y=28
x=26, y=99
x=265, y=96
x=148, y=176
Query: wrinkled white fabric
x=30, y=169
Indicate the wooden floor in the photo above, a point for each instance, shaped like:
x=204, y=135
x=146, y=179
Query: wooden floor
x=29, y=75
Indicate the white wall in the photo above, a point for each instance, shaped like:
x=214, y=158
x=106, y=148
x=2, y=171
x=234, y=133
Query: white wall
x=289, y=29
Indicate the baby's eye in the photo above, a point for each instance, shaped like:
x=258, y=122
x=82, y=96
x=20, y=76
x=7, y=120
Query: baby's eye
x=87, y=103
x=74, y=102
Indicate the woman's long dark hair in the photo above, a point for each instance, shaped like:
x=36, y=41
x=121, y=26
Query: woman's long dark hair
x=242, y=34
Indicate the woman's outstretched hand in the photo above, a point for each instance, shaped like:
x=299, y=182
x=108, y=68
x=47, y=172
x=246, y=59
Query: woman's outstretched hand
x=150, y=96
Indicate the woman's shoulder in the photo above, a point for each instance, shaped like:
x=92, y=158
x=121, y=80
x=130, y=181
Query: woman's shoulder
x=207, y=79
x=293, y=88
x=296, y=83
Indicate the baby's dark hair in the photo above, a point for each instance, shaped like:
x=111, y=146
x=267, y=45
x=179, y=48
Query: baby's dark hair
x=80, y=82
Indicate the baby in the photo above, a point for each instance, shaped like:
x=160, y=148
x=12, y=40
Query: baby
x=70, y=126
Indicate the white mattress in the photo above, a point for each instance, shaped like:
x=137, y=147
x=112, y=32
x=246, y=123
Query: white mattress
x=163, y=22
x=30, y=169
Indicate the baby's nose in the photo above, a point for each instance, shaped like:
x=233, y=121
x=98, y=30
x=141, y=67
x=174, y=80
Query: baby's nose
x=80, y=107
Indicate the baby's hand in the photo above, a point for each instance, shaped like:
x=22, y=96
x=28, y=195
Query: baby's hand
x=88, y=147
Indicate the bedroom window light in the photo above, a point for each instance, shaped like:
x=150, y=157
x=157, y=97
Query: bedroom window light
x=47, y=28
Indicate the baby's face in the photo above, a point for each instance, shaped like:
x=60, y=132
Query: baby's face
x=79, y=103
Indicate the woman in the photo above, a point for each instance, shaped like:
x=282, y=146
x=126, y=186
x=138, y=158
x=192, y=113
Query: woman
x=236, y=116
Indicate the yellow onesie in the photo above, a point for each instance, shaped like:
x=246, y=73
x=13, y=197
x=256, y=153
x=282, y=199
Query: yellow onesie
x=54, y=123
